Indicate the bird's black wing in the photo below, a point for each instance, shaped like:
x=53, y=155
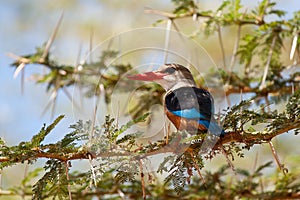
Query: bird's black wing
x=190, y=102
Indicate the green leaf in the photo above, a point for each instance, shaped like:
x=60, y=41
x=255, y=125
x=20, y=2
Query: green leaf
x=31, y=175
x=130, y=124
x=258, y=173
x=54, y=182
x=38, y=138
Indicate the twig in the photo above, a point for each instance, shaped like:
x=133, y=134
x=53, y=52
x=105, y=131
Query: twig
x=236, y=90
x=255, y=161
x=221, y=46
x=227, y=99
x=68, y=179
x=23, y=195
x=168, y=132
x=172, y=16
x=197, y=168
x=64, y=89
x=267, y=104
x=166, y=14
x=180, y=35
x=79, y=67
x=280, y=165
x=250, y=138
x=121, y=194
x=19, y=58
x=235, y=48
x=91, y=135
x=228, y=161
x=92, y=169
x=142, y=179
x=91, y=46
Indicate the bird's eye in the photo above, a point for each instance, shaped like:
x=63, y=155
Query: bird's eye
x=169, y=70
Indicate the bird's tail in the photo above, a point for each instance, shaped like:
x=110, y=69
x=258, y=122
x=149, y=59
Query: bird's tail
x=212, y=127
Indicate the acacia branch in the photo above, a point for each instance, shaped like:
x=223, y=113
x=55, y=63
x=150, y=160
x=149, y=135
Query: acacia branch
x=256, y=138
x=230, y=89
x=204, y=15
x=236, y=136
x=114, y=190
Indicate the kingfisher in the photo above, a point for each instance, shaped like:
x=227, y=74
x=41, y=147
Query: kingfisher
x=188, y=107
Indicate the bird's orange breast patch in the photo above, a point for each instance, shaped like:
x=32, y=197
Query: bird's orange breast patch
x=185, y=124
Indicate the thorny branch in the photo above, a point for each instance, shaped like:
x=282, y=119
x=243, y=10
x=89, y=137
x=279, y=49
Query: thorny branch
x=229, y=137
x=199, y=14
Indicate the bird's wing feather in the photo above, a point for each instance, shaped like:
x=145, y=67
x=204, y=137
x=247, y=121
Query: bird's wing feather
x=190, y=107
x=189, y=113
x=212, y=126
x=190, y=102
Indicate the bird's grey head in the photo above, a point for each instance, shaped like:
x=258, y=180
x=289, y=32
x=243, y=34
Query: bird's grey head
x=169, y=76
x=176, y=76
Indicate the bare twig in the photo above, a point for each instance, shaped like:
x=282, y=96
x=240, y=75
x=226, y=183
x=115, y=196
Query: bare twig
x=221, y=46
x=19, y=58
x=92, y=169
x=23, y=195
x=197, y=167
x=235, y=90
x=64, y=89
x=78, y=67
x=92, y=133
x=235, y=48
x=167, y=15
x=172, y=16
x=168, y=132
x=267, y=104
x=142, y=179
x=228, y=161
x=280, y=165
x=68, y=179
x=91, y=45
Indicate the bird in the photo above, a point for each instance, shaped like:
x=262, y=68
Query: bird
x=188, y=107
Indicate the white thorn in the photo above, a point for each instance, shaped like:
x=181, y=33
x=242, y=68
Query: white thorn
x=19, y=69
x=293, y=48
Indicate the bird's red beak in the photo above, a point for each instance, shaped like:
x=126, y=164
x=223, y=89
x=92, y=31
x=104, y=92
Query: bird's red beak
x=148, y=76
